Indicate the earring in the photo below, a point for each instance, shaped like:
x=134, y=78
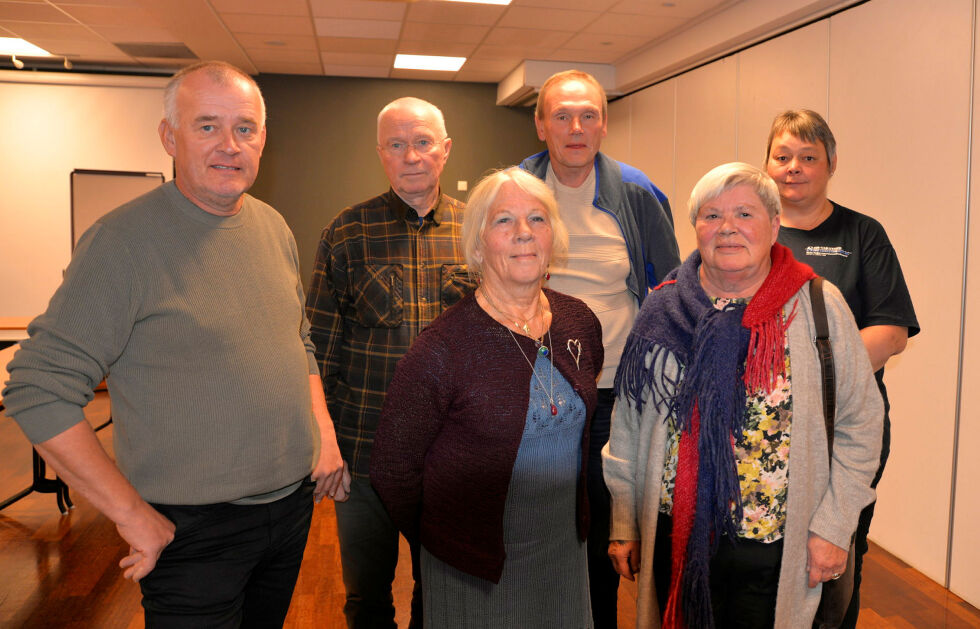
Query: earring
x=547, y=275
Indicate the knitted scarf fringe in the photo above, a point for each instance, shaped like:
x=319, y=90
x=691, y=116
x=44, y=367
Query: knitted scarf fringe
x=740, y=345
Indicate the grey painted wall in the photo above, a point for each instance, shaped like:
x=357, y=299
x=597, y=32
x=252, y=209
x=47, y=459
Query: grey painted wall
x=320, y=152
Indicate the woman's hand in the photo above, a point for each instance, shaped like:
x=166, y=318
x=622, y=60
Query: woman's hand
x=625, y=557
x=824, y=561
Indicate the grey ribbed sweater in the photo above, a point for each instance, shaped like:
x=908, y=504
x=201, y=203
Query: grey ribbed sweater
x=197, y=322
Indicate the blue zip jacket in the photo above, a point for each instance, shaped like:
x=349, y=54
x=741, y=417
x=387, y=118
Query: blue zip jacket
x=642, y=212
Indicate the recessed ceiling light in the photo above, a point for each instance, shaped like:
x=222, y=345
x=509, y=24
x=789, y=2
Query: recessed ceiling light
x=17, y=46
x=502, y=2
x=429, y=62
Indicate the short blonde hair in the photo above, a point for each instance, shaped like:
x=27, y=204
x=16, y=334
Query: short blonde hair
x=721, y=179
x=569, y=75
x=482, y=198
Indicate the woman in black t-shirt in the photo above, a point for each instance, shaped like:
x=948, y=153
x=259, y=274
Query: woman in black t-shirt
x=849, y=249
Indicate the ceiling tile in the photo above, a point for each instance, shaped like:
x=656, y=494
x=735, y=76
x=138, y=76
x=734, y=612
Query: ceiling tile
x=636, y=25
x=527, y=38
x=287, y=42
x=444, y=49
x=680, y=9
x=81, y=48
x=478, y=76
x=356, y=59
x=454, y=13
x=585, y=56
x=355, y=44
x=267, y=24
x=552, y=19
x=101, y=3
x=601, y=42
x=367, y=71
x=277, y=67
x=134, y=34
x=262, y=7
x=358, y=9
x=491, y=65
x=493, y=51
x=32, y=12
x=374, y=29
x=274, y=55
x=40, y=30
x=460, y=33
x=112, y=16
x=423, y=75
x=581, y=5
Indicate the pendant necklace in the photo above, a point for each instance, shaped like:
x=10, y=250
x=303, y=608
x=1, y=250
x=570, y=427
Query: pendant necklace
x=551, y=393
x=524, y=328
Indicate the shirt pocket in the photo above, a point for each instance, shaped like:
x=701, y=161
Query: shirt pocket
x=456, y=284
x=378, y=297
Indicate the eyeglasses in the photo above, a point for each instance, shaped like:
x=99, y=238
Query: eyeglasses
x=422, y=146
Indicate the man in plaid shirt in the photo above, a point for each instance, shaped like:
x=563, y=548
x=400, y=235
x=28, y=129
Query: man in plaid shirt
x=385, y=268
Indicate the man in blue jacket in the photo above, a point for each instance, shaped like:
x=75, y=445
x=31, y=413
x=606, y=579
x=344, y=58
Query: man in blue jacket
x=621, y=244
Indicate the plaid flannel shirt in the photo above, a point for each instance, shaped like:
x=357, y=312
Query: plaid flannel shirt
x=380, y=277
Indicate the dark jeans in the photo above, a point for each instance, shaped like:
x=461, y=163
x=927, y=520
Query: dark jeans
x=229, y=565
x=603, y=579
x=744, y=579
x=368, y=555
x=864, y=527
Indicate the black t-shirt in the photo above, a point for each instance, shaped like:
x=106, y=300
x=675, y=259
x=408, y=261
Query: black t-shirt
x=853, y=251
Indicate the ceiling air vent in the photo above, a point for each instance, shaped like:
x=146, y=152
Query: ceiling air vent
x=162, y=51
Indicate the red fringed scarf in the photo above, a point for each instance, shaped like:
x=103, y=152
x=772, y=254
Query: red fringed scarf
x=764, y=364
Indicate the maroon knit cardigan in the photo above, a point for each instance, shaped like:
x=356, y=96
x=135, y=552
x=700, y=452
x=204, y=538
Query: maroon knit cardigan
x=452, y=422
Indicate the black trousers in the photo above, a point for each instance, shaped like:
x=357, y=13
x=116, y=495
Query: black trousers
x=744, y=579
x=603, y=578
x=229, y=565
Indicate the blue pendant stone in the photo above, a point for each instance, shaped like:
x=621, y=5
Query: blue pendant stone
x=543, y=350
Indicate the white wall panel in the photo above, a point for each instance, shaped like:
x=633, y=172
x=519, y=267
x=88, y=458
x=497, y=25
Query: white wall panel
x=619, y=131
x=653, y=141
x=46, y=131
x=964, y=578
x=789, y=72
x=899, y=105
x=705, y=135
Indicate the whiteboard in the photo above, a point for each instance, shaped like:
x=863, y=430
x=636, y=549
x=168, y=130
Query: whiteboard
x=96, y=192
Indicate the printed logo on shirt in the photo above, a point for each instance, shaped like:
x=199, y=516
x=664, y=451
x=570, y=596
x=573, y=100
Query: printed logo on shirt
x=827, y=251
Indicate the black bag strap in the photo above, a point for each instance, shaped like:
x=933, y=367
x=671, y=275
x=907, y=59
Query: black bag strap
x=826, y=361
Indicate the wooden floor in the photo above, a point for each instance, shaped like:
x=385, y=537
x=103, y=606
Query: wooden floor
x=62, y=571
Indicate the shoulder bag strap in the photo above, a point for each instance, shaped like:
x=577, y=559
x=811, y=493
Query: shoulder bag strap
x=826, y=361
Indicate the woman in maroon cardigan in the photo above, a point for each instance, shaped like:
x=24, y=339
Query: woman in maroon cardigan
x=482, y=443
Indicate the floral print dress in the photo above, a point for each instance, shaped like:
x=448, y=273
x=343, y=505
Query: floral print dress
x=761, y=455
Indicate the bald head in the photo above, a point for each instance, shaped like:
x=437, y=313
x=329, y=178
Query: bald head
x=411, y=107
x=219, y=72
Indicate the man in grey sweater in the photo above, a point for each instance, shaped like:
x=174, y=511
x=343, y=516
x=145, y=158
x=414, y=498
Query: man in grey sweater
x=188, y=301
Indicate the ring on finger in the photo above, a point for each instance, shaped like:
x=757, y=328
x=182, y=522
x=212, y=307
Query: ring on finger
x=835, y=576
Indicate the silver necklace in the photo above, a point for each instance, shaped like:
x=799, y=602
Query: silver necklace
x=551, y=394
x=539, y=341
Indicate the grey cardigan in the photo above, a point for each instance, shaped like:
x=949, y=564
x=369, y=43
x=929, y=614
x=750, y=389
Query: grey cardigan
x=824, y=499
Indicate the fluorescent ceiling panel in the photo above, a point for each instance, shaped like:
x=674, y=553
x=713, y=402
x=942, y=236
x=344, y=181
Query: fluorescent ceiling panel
x=17, y=46
x=429, y=62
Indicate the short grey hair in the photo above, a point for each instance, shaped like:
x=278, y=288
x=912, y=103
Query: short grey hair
x=414, y=102
x=721, y=179
x=482, y=198
x=219, y=72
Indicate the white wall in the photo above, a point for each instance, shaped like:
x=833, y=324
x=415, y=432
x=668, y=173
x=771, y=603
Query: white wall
x=893, y=79
x=46, y=131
